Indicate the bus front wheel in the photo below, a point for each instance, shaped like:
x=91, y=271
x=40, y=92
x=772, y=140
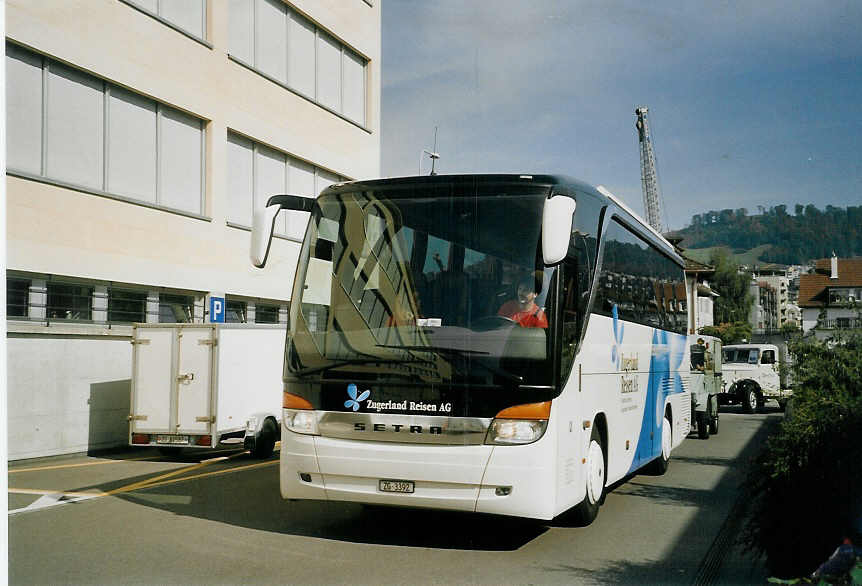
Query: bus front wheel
x=595, y=469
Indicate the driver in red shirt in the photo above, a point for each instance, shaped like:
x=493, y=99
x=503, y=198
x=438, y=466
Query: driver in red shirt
x=524, y=310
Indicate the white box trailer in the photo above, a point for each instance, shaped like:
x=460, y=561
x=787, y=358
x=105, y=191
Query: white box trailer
x=201, y=385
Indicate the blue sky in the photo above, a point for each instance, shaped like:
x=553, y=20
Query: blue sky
x=751, y=104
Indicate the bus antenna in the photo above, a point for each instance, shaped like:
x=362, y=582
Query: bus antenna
x=433, y=155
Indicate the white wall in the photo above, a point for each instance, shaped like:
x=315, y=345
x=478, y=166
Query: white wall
x=67, y=395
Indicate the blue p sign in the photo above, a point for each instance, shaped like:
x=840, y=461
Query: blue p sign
x=217, y=310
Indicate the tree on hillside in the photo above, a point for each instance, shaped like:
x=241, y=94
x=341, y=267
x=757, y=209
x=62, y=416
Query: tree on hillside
x=793, y=239
x=734, y=303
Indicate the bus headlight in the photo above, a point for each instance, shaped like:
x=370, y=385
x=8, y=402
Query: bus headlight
x=300, y=421
x=518, y=425
x=516, y=431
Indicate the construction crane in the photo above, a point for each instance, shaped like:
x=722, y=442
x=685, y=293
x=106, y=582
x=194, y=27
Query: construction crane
x=649, y=175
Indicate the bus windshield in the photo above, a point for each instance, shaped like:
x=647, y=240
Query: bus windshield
x=441, y=282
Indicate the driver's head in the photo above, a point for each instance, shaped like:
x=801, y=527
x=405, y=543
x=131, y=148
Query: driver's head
x=526, y=290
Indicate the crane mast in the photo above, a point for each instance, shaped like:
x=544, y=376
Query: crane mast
x=649, y=177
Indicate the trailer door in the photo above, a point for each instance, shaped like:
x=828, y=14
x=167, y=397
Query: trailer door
x=153, y=379
x=193, y=380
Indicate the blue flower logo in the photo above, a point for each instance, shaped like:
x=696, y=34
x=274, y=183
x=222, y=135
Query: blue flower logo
x=618, y=337
x=354, y=401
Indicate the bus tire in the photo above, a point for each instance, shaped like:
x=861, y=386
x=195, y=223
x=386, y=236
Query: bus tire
x=587, y=511
x=660, y=464
x=702, y=430
x=265, y=443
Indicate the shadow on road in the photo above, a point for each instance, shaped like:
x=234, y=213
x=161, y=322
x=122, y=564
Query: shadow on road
x=263, y=509
x=669, y=570
x=251, y=499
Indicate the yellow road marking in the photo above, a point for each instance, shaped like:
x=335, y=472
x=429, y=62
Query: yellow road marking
x=100, y=462
x=157, y=479
x=204, y=475
x=162, y=480
x=79, y=465
x=55, y=492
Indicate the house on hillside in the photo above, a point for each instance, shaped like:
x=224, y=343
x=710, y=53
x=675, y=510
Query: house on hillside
x=830, y=297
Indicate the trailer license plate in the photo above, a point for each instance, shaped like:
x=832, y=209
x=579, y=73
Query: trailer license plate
x=396, y=486
x=172, y=439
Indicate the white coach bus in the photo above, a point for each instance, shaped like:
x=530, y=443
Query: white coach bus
x=494, y=343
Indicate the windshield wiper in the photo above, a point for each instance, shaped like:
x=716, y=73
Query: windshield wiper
x=460, y=353
x=347, y=361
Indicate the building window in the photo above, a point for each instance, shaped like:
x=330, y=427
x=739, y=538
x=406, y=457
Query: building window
x=236, y=313
x=126, y=306
x=69, y=301
x=17, y=297
x=68, y=126
x=285, y=46
x=188, y=16
x=176, y=308
x=256, y=172
x=266, y=314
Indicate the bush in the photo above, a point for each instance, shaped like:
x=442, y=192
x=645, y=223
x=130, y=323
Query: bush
x=805, y=487
x=730, y=333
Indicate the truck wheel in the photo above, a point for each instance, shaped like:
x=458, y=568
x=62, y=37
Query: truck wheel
x=660, y=464
x=713, y=415
x=265, y=442
x=750, y=402
x=702, y=430
x=588, y=509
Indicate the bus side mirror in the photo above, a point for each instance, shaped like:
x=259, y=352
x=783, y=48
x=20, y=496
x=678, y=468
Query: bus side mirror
x=264, y=223
x=557, y=228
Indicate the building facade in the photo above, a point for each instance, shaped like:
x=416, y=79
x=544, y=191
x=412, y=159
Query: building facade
x=774, y=313
x=764, y=316
x=141, y=137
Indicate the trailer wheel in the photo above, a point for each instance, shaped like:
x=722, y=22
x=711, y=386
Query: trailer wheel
x=265, y=443
x=588, y=509
x=701, y=419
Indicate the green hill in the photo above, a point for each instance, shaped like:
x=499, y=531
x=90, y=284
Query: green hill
x=747, y=257
x=775, y=236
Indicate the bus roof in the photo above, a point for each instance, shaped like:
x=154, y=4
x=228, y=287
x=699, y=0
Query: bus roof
x=562, y=183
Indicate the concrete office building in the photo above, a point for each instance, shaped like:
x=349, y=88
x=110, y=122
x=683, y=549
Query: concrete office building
x=141, y=135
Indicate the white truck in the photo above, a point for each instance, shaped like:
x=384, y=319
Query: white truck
x=706, y=379
x=751, y=376
x=202, y=385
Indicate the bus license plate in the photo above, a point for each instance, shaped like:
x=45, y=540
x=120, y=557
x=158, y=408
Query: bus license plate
x=405, y=486
x=172, y=439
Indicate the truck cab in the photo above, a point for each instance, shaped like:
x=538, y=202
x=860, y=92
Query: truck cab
x=751, y=376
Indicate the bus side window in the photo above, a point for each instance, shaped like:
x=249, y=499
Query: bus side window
x=569, y=313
